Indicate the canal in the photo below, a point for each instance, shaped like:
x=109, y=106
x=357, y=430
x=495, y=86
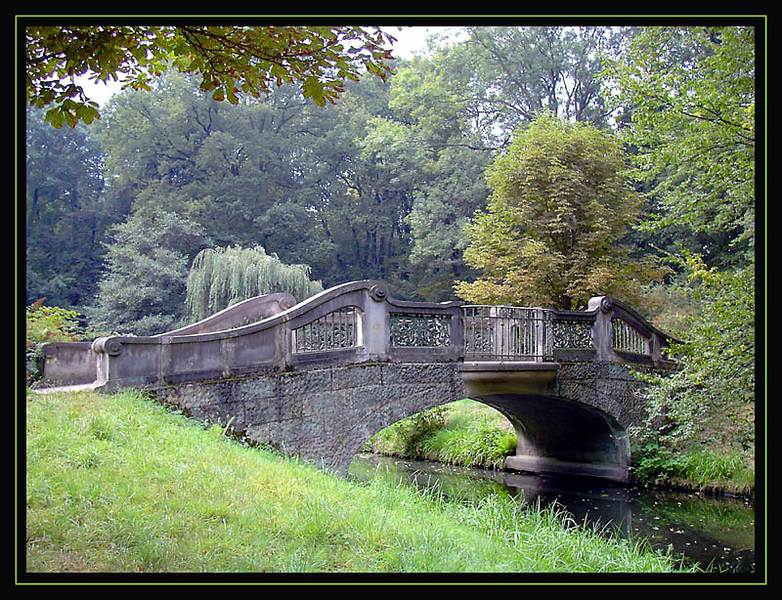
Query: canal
x=717, y=533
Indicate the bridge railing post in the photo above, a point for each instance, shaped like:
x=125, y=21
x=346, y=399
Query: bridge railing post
x=376, y=326
x=602, y=331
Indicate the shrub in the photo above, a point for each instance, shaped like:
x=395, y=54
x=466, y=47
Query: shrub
x=46, y=324
x=701, y=468
x=710, y=399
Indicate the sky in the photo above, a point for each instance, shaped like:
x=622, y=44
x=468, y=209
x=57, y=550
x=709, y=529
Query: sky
x=410, y=41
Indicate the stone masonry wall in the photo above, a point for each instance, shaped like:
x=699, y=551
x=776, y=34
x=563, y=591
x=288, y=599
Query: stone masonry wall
x=322, y=415
x=610, y=387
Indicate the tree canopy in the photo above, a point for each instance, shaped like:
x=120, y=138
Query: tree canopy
x=67, y=216
x=143, y=284
x=518, y=72
x=691, y=93
x=231, y=60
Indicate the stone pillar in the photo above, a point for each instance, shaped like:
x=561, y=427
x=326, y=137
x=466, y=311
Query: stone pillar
x=376, y=326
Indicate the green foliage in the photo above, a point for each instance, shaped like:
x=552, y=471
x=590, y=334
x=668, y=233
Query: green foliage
x=520, y=72
x=691, y=93
x=552, y=234
x=655, y=464
x=405, y=437
x=698, y=468
x=480, y=444
x=670, y=306
x=465, y=433
x=711, y=398
x=379, y=185
x=232, y=61
x=142, y=289
x=220, y=277
x=278, y=173
x=66, y=215
x=430, y=143
x=119, y=484
x=46, y=324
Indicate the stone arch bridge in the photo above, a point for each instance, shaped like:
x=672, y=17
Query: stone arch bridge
x=318, y=378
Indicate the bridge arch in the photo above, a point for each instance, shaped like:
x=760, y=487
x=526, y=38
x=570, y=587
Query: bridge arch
x=326, y=415
x=558, y=435
x=554, y=435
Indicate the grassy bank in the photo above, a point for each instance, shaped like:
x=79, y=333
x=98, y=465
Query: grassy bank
x=118, y=483
x=464, y=433
x=699, y=469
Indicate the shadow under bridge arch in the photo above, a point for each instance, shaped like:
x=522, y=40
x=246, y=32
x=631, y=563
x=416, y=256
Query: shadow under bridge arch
x=560, y=436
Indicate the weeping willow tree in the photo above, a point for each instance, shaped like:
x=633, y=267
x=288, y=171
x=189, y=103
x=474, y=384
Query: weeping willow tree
x=220, y=277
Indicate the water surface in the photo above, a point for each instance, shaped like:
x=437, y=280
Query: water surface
x=718, y=533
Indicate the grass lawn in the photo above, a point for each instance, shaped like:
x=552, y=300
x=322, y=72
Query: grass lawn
x=121, y=484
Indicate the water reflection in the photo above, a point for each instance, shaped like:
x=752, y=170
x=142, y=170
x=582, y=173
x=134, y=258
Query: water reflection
x=717, y=533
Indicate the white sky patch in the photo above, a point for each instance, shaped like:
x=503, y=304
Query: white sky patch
x=411, y=41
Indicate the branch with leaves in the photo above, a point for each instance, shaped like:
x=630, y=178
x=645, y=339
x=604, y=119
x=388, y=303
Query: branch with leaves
x=232, y=61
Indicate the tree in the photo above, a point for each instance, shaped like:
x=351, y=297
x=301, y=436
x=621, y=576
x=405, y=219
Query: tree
x=142, y=288
x=232, y=61
x=425, y=147
x=66, y=213
x=220, y=277
x=279, y=172
x=691, y=93
x=552, y=234
x=518, y=72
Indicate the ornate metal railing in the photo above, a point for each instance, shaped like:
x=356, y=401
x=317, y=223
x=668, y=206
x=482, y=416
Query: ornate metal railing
x=507, y=333
x=336, y=330
x=573, y=334
x=420, y=330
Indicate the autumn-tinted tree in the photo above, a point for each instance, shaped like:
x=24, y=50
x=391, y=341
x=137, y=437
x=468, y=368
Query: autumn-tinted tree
x=552, y=233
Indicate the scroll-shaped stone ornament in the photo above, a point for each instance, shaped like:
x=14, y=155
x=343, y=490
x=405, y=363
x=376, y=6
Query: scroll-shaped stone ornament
x=377, y=293
x=606, y=305
x=107, y=345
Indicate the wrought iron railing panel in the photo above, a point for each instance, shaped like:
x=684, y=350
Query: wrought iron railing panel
x=507, y=333
x=572, y=334
x=336, y=330
x=419, y=330
x=627, y=338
